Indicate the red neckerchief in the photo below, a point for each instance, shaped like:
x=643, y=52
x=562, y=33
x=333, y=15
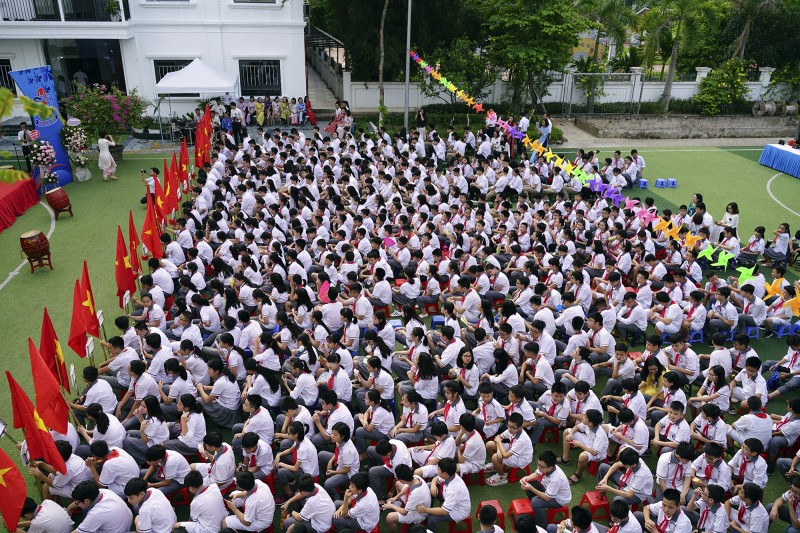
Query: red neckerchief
x=761, y=414
x=625, y=477
x=677, y=475
x=331, y=380
x=430, y=454
x=691, y=312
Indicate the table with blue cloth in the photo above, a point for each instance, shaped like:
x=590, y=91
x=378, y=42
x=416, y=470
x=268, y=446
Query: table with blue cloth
x=781, y=157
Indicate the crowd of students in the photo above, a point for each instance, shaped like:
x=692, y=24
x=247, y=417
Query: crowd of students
x=279, y=366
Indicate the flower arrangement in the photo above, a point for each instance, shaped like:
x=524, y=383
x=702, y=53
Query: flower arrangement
x=47, y=177
x=74, y=138
x=80, y=160
x=42, y=154
x=108, y=109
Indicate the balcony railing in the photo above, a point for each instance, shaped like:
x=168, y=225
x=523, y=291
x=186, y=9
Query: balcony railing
x=74, y=10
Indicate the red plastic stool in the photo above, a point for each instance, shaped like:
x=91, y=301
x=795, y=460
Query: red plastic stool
x=597, y=501
x=180, y=497
x=550, y=435
x=496, y=504
x=465, y=526
x=592, y=467
x=433, y=309
x=515, y=475
x=519, y=507
x=376, y=530
x=475, y=479
x=384, y=308
x=553, y=513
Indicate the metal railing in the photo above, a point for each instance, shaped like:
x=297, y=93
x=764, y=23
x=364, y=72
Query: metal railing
x=5, y=78
x=332, y=47
x=260, y=78
x=74, y=10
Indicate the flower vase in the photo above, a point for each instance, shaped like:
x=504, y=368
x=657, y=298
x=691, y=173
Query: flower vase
x=83, y=174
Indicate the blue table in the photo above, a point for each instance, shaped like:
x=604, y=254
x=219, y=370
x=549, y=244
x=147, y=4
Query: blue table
x=781, y=157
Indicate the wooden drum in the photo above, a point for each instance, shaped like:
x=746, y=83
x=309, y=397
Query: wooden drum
x=36, y=248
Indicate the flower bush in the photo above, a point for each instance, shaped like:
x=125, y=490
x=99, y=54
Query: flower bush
x=101, y=108
x=42, y=154
x=47, y=177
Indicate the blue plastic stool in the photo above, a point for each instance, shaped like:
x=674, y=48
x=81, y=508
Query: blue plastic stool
x=661, y=184
x=696, y=337
x=643, y=183
x=752, y=332
x=782, y=331
x=437, y=321
x=672, y=183
x=395, y=323
x=729, y=334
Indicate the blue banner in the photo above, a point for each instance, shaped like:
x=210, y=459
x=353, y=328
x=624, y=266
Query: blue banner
x=37, y=84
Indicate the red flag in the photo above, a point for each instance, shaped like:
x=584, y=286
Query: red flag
x=133, y=244
x=89, y=310
x=77, y=328
x=126, y=279
x=160, y=198
x=151, y=236
x=183, y=168
x=55, y=410
x=50, y=350
x=41, y=445
x=12, y=492
x=171, y=187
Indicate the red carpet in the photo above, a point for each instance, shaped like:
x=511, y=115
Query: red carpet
x=15, y=199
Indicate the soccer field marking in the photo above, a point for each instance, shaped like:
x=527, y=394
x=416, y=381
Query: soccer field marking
x=25, y=262
x=783, y=205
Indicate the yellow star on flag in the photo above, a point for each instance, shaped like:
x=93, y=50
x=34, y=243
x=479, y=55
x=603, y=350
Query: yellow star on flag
x=38, y=421
x=2, y=473
x=88, y=302
x=59, y=353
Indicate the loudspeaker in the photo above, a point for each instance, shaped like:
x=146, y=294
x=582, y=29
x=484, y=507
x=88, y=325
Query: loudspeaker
x=781, y=142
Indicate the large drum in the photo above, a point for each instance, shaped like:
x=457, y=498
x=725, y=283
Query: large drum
x=36, y=248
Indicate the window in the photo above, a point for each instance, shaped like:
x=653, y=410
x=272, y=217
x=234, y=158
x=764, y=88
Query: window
x=5, y=78
x=165, y=66
x=260, y=77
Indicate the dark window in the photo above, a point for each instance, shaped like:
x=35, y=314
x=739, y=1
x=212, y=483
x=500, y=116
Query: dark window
x=5, y=77
x=165, y=66
x=260, y=77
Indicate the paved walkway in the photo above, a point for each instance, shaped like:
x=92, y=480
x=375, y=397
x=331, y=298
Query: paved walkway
x=577, y=138
x=321, y=97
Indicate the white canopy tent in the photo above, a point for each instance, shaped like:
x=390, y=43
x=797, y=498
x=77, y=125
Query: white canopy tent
x=198, y=77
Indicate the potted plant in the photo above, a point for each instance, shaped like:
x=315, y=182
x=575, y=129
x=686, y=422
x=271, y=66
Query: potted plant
x=74, y=139
x=102, y=108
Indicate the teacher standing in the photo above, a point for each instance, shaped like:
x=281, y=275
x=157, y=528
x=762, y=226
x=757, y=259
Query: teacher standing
x=106, y=163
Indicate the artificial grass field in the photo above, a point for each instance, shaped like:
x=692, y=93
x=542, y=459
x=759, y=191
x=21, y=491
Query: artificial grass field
x=722, y=175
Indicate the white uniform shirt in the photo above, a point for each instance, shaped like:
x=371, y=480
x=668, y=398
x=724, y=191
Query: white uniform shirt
x=109, y=514
x=50, y=517
x=156, y=514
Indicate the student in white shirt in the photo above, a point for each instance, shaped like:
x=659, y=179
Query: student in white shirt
x=222, y=399
x=470, y=449
x=632, y=479
x=155, y=512
x=745, y=511
x=47, y=517
x=300, y=458
x=588, y=437
x=512, y=449
x=454, y=494
x=706, y=509
x=105, y=511
x=55, y=483
x=359, y=510
x=256, y=502
x=318, y=508
x=207, y=509
x=666, y=515
x=547, y=487
x=403, y=506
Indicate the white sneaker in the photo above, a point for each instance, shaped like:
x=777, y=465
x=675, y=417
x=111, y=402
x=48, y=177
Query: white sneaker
x=397, y=312
x=489, y=467
x=497, y=480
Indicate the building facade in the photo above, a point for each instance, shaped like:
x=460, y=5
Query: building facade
x=134, y=43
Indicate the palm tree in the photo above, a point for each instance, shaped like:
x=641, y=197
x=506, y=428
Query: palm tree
x=677, y=18
x=750, y=10
x=380, y=65
x=613, y=17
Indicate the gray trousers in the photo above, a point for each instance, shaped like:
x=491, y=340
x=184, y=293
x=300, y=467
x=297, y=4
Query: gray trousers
x=378, y=474
x=539, y=427
x=135, y=447
x=332, y=483
x=344, y=523
x=362, y=438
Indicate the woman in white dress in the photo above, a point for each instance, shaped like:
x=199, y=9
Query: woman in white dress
x=106, y=162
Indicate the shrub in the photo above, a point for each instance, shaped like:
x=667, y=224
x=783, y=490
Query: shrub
x=723, y=89
x=102, y=109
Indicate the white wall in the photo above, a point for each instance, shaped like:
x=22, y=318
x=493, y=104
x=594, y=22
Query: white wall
x=22, y=54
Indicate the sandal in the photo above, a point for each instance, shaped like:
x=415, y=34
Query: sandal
x=561, y=461
x=573, y=479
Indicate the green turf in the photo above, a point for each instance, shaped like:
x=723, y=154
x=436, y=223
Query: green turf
x=723, y=175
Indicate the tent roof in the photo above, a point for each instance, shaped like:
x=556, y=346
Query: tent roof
x=198, y=77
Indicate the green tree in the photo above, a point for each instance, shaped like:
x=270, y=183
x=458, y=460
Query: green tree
x=750, y=10
x=529, y=38
x=678, y=19
x=461, y=63
x=614, y=17
x=381, y=101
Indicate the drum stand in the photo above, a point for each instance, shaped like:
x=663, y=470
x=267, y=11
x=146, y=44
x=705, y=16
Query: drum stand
x=40, y=262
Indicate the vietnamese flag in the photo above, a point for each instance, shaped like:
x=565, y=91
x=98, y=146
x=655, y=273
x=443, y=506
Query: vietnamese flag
x=183, y=168
x=151, y=236
x=77, y=327
x=90, y=311
x=55, y=411
x=50, y=350
x=41, y=445
x=171, y=187
x=12, y=492
x=126, y=279
x=133, y=244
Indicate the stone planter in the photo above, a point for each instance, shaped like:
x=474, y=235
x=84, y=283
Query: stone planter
x=116, y=152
